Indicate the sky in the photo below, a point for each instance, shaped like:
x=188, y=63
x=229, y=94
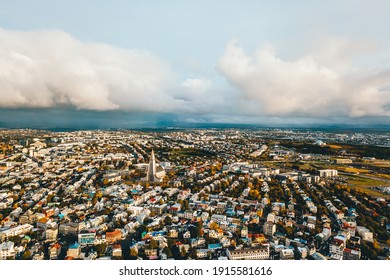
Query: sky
x=137, y=63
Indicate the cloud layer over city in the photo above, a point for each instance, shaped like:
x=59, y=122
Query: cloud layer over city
x=320, y=84
x=51, y=68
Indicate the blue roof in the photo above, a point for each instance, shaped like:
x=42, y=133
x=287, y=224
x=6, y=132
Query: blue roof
x=74, y=246
x=157, y=233
x=215, y=246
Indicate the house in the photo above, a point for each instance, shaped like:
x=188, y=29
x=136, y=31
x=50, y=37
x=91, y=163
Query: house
x=113, y=236
x=117, y=250
x=351, y=254
x=51, y=232
x=336, y=249
x=218, y=218
x=287, y=254
x=15, y=231
x=202, y=253
x=86, y=238
x=365, y=233
x=213, y=247
x=74, y=250
x=302, y=252
x=54, y=251
x=151, y=253
x=187, y=235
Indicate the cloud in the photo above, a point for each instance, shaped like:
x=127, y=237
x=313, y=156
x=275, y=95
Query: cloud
x=324, y=83
x=51, y=69
x=46, y=69
x=196, y=86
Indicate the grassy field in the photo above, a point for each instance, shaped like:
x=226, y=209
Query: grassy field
x=349, y=169
x=371, y=192
x=335, y=146
x=379, y=163
x=384, y=176
x=365, y=184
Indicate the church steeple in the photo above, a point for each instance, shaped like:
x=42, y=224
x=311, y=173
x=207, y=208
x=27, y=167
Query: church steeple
x=151, y=176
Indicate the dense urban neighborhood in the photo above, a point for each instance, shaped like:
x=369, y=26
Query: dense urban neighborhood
x=227, y=194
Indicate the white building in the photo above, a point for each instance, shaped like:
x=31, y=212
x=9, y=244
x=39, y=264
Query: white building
x=269, y=228
x=328, y=173
x=336, y=249
x=256, y=253
x=15, y=231
x=365, y=233
x=7, y=250
x=218, y=218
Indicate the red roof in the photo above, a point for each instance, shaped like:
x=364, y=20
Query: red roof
x=56, y=246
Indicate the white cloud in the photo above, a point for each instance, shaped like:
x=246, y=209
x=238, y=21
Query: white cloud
x=51, y=68
x=196, y=86
x=320, y=84
x=45, y=69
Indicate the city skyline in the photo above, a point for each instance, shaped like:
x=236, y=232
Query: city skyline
x=128, y=64
x=216, y=194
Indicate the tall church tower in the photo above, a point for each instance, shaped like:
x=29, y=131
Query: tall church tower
x=151, y=175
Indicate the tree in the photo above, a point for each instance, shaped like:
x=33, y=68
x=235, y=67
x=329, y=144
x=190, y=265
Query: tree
x=254, y=194
x=168, y=252
x=171, y=243
x=140, y=230
x=153, y=244
x=168, y=221
x=49, y=198
x=184, y=205
x=26, y=255
x=183, y=252
x=133, y=252
x=289, y=231
x=199, y=228
x=15, y=239
x=214, y=226
x=100, y=248
x=176, y=253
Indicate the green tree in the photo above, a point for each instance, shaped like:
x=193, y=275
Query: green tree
x=100, y=248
